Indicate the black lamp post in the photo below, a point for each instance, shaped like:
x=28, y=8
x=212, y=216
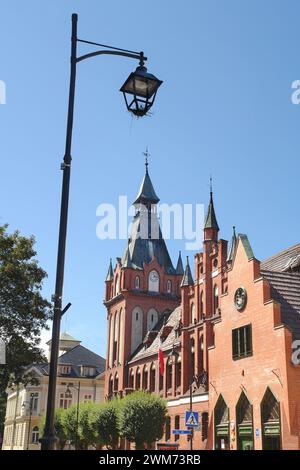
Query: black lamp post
x=142, y=88
x=68, y=394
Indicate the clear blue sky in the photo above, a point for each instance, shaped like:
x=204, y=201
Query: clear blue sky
x=224, y=108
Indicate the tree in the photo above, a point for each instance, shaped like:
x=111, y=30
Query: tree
x=87, y=430
x=107, y=423
x=59, y=427
x=142, y=418
x=23, y=310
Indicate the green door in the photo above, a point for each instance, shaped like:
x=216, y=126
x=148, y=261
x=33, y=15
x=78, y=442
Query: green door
x=246, y=443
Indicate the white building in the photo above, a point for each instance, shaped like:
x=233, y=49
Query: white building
x=80, y=370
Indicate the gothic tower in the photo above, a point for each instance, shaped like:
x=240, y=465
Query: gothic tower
x=141, y=287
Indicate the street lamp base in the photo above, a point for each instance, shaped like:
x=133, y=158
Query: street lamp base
x=48, y=442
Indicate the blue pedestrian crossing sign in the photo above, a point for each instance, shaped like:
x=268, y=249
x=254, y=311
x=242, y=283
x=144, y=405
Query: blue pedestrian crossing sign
x=192, y=419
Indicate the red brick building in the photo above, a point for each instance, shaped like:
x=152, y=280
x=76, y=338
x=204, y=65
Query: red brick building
x=226, y=335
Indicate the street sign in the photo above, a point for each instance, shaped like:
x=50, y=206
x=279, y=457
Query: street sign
x=182, y=431
x=192, y=419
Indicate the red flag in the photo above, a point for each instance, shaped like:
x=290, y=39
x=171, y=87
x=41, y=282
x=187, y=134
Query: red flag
x=161, y=359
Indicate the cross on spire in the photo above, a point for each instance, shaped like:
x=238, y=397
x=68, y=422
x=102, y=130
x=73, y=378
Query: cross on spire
x=146, y=155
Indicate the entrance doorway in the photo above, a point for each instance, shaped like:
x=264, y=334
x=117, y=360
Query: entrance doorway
x=244, y=422
x=270, y=419
x=221, y=421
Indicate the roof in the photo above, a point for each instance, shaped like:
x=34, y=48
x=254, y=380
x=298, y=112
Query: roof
x=179, y=267
x=65, y=337
x=110, y=273
x=146, y=192
x=171, y=319
x=284, y=260
x=76, y=357
x=233, y=246
x=285, y=289
x=211, y=219
x=142, y=249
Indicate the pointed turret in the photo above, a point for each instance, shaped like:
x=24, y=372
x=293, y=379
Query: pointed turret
x=233, y=246
x=187, y=279
x=126, y=260
x=211, y=227
x=146, y=194
x=179, y=267
x=110, y=273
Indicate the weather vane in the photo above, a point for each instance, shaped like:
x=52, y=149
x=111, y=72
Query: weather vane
x=146, y=155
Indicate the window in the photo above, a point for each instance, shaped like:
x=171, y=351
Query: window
x=137, y=282
x=204, y=428
x=35, y=435
x=131, y=379
x=169, y=374
x=216, y=300
x=169, y=286
x=153, y=281
x=87, y=398
x=242, y=342
x=178, y=372
x=145, y=378
x=34, y=398
x=110, y=385
x=65, y=370
x=116, y=383
x=87, y=371
x=221, y=421
x=192, y=362
x=117, y=291
x=152, y=378
x=177, y=426
x=65, y=400
x=168, y=428
x=137, y=328
x=152, y=319
x=192, y=316
x=138, y=379
x=270, y=420
x=201, y=305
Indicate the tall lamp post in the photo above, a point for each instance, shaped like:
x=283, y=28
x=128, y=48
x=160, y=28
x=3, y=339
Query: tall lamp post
x=139, y=91
x=68, y=394
x=192, y=378
x=30, y=403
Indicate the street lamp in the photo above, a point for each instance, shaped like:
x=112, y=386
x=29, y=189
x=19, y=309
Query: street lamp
x=142, y=87
x=68, y=394
x=30, y=403
x=193, y=378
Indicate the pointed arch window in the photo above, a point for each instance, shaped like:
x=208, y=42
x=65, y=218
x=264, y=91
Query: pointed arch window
x=137, y=282
x=110, y=385
x=169, y=375
x=221, y=422
x=152, y=319
x=201, y=304
x=152, y=377
x=192, y=314
x=138, y=379
x=136, y=328
x=244, y=421
x=131, y=379
x=116, y=382
x=216, y=300
x=145, y=377
x=178, y=374
x=117, y=282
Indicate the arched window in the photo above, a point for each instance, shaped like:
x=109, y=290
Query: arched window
x=131, y=379
x=192, y=360
x=201, y=305
x=200, y=354
x=145, y=377
x=221, y=421
x=152, y=377
x=111, y=341
x=117, y=282
x=116, y=336
x=121, y=336
x=169, y=286
x=110, y=385
x=35, y=435
x=192, y=315
x=244, y=422
x=169, y=374
x=177, y=426
x=137, y=282
x=153, y=281
x=216, y=300
x=168, y=428
x=270, y=421
x=138, y=379
x=178, y=374
x=136, y=328
x=152, y=319
x=116, y=382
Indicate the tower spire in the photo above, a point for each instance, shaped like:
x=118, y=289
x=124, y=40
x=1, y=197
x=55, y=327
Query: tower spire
x=110, y=274
x=211, y=219
x=179, y=267
x=147, y=155
x=187, y=279
x=146, y=194
x=233, y=246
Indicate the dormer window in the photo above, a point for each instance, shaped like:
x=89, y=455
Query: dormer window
x=87, y=371
x=64, y=370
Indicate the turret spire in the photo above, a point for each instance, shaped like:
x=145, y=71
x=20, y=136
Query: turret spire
x=187, y=279
x=233, y=246
x=210, y=219
x=146, y=194
x=110, y=273
x=179, y=267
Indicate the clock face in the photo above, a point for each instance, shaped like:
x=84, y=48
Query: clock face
x=240, y=298
x=153, y=276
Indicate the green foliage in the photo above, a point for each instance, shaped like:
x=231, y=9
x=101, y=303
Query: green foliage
x=107, y=423
x=59, y=428
x=142, y=418
x=87, y=429
x=23, y=310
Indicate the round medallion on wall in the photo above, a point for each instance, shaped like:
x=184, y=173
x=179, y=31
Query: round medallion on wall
x=240, y=298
